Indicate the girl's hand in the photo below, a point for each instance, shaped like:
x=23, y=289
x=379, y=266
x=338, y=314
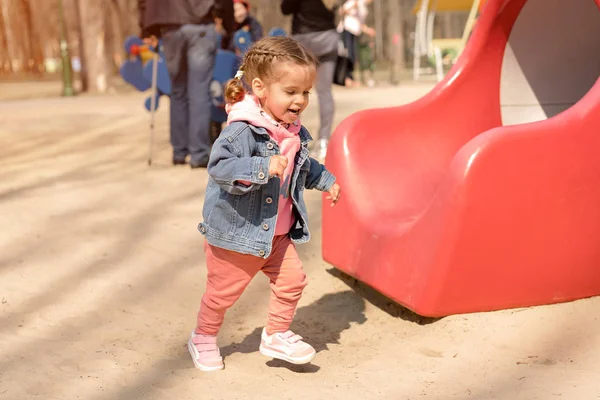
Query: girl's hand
x=277, y=165
x=334, y=194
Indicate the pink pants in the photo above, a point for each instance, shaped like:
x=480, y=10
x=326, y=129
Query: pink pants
x=230, y=272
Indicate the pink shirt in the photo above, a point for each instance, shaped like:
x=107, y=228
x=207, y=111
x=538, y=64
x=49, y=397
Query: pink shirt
x=287, y=139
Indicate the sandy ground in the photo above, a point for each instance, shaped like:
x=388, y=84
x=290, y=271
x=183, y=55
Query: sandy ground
x=101, y=273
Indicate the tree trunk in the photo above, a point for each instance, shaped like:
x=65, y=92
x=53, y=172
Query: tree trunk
x=5, y=55
x=379, y=28
x=36, y=54
x=114, y=37
x=395, y=40
x=83, y=75
x=30, y=35
x=10, y=38
x=93, y=43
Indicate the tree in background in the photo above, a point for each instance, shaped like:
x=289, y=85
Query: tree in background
x=92, y=44
x=395, y=34
x=18, y=35
x=96, y=29
x=30, y=32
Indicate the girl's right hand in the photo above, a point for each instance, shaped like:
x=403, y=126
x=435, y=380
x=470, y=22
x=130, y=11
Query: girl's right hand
x=277, y=165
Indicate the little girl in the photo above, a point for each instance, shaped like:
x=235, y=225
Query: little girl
x=254, y=211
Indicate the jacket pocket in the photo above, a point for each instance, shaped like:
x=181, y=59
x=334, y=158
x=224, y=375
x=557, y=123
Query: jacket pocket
x=223, y=213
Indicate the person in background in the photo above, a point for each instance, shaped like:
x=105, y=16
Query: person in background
x=354, y=14
x=243, y=20
x=313, y=25
x=187, y=29
x=366, y=59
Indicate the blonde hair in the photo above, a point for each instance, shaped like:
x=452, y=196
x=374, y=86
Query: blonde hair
x=258, y=63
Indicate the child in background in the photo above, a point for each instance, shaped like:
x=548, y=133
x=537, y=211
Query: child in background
x=243, y=20
x=366, y=59
x=254, y=211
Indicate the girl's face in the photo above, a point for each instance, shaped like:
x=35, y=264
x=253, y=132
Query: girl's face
x=239, y=12
x=285, y=96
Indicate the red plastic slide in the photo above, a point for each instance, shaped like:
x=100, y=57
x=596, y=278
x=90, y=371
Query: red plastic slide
x=485, y=193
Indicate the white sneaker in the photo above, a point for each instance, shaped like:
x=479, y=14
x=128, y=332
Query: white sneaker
x=205, y=352
x=286, y=346
x=319, y=151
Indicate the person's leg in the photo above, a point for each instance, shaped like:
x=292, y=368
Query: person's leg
x=350, y=45
x=174, y=44
x=366, y=61
x=371, y=69
x=288, y=280
x=325, y=46
x=363, y=57
x=229, y=273
x=201, y=55
x=284, y=269
x=323, y=87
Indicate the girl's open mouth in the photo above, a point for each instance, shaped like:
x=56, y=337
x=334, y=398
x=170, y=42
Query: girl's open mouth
x=295, y=112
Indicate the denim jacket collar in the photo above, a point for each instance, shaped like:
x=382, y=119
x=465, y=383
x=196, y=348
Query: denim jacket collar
x=305, y=137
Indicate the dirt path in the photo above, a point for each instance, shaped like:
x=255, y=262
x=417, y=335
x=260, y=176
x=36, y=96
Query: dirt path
x=101, y=273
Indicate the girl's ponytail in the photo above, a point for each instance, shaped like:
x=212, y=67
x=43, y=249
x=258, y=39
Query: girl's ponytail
x=234, y=89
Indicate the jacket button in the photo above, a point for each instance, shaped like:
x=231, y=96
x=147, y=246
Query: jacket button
x=270, y=146
x=261, y=253
x=269, y=200
x=261, y=175
x=202, y=229
x=265, y=227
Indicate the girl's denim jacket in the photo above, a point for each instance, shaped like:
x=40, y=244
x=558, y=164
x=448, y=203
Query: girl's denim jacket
x=242, y=217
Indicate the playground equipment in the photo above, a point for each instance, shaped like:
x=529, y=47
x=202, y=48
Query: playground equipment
x=138, y=69
x=277, y=32
x=433, y=48
x=483, y=194
x=144, y=69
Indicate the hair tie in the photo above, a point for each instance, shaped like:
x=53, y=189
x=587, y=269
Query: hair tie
x=239, y=74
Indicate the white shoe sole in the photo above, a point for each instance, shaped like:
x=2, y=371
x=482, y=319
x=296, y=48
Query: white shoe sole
x=294, y=360
x=192, y=350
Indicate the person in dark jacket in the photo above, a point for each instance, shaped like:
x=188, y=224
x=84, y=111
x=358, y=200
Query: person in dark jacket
x=313, y=25
x=187, y=30
x=244, y=20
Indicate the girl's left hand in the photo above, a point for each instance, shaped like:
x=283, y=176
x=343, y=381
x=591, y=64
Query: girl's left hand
x=334, y=194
